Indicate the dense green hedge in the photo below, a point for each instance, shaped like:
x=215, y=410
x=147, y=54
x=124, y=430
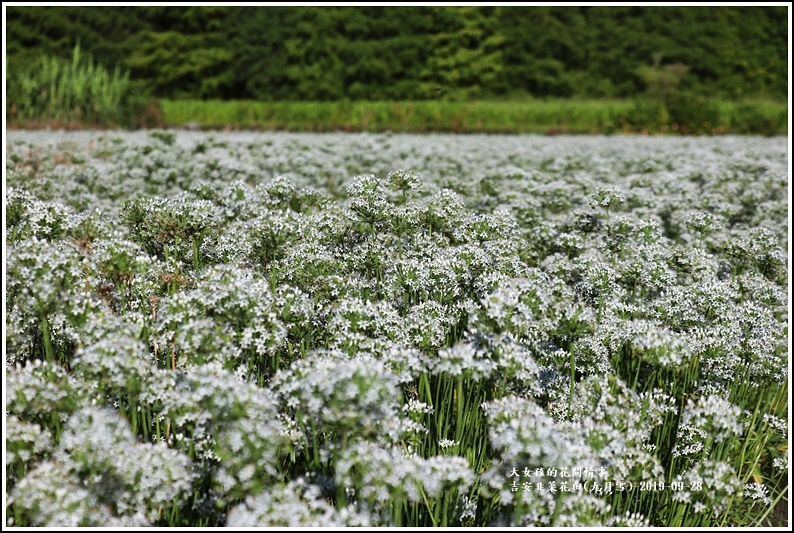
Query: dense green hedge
x=417, y=53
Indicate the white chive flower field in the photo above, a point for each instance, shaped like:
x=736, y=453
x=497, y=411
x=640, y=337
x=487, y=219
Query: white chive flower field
x=274, y=329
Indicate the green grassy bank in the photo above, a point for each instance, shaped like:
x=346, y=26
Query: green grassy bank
x=539, y=116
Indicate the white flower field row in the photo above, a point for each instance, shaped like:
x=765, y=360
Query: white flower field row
x=388, y=330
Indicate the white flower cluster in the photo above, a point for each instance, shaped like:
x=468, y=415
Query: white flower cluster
x=231, y=316
x=244, y=329
x=98, y=472
x=714, y=415
x=709, y=487
x=349, y=398
x=293, y=505
x=376, y=475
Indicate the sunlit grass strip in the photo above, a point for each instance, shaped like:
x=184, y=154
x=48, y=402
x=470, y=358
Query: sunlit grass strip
x=536, y=116
x=432, y=116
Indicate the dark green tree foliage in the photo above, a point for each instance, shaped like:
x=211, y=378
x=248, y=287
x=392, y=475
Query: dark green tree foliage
x=313, y=50
x=410, y=53
x=103, y=32
x=383, y=43
x=185, y=54
x=535, y=58
x=260, y=53
x=466, y=57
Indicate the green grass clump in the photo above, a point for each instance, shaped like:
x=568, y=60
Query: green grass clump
x=77, y=91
